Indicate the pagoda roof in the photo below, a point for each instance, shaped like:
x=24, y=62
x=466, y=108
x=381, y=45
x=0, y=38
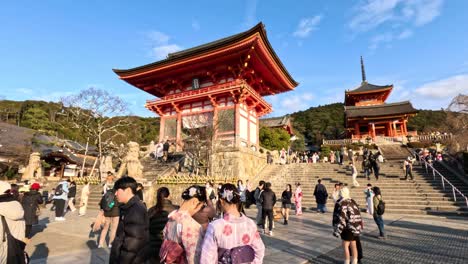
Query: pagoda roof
x=398, y=108
x=366, y=87
x=276, y=121
x=217, y=49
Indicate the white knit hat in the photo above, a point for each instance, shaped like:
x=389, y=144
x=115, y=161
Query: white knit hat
x=4, y=186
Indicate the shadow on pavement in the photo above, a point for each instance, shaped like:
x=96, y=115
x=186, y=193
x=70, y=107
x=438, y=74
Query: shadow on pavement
x=41, y=251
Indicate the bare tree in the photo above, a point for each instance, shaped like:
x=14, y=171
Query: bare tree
x=98, y=115
x=457, y=122
x=199, y=132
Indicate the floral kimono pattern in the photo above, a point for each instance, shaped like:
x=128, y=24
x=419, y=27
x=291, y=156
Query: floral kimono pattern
x=232, y=240
x=183, y=229
x=298, y=200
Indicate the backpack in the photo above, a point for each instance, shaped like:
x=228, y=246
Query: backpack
x=58, y=190
x=381, y=207
x=255, y=198
x=108, y=201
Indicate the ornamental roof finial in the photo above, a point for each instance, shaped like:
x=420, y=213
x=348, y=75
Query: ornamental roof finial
x=363, y=71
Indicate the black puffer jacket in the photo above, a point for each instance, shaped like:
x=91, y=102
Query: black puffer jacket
x=268, y=198
x=158, y=220
x=30, y=202
x=132, y=233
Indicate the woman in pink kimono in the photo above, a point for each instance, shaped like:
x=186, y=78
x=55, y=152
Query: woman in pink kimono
x=234, y=238
x=183, y=236
x=298, y=198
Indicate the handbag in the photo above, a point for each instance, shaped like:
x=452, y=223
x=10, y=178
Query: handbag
x=16, y=253
x=171, y=252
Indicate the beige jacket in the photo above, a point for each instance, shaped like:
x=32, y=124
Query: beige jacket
x=13, y=212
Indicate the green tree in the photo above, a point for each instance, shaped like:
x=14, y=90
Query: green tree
x=274, y=138
x=36, y=118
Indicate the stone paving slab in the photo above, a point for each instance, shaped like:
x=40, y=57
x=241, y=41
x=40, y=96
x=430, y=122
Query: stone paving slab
x=409, y=241
x=307, y=239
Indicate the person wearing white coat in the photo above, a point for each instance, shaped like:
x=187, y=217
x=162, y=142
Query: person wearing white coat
x=13, y=212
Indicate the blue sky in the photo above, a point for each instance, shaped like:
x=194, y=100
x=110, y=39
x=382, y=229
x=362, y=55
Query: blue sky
x=50, y=49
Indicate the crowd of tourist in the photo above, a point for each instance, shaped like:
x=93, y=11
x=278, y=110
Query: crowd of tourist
x=210, y=219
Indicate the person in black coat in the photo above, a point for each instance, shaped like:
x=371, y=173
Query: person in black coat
x=30, y=202
x=268, y=199
x=321, y=196
x=133, y=229
x=158, y=217
x=286, y=202
x=71, y=195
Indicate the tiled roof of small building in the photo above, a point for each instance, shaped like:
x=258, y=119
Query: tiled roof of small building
x=380, y=110
x=276, y=121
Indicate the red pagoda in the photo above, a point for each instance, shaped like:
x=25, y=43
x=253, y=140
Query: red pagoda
x=367, y=114
x=225, y=79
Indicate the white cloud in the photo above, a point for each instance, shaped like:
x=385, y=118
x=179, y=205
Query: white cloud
x=426, y=11
x=158, y=37
x=372, y=13
x=393, y=14
x=297, y=102
x=160, y=52
x=250, y=18
x=379, y=39
x=160, y=45
x=445, y=88
x=387, y=38
x=24, y=91
x=306, y=26
x=405, y=34
x=195, y=25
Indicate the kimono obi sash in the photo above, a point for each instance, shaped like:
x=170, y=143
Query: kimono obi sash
x=237, y=255
x=172, y=252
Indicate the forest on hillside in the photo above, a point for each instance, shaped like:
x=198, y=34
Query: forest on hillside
x=50, y=118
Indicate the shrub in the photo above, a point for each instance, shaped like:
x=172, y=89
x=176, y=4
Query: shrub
x=45, y=165
x=325, y=150
x=11, y=173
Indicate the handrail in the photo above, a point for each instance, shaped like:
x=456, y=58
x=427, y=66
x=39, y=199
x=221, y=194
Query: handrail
x=434, y=171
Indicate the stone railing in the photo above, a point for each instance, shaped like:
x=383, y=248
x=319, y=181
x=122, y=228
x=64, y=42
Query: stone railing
x=431, y=137
x=339, y=141
x=383, y=140
x=185, y=178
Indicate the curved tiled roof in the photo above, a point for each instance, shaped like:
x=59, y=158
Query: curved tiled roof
x=275, y=121
x=367, y=87
x=172, y=57
x=380, y=110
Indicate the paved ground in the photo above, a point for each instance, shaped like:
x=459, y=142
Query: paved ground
x=307, y=239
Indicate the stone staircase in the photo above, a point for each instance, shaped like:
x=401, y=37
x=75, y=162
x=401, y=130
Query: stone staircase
x=151, y=170
x=421, y=196
x=394, y=152
x=459, y=184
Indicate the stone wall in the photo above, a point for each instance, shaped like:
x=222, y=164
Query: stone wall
x=241, y=163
